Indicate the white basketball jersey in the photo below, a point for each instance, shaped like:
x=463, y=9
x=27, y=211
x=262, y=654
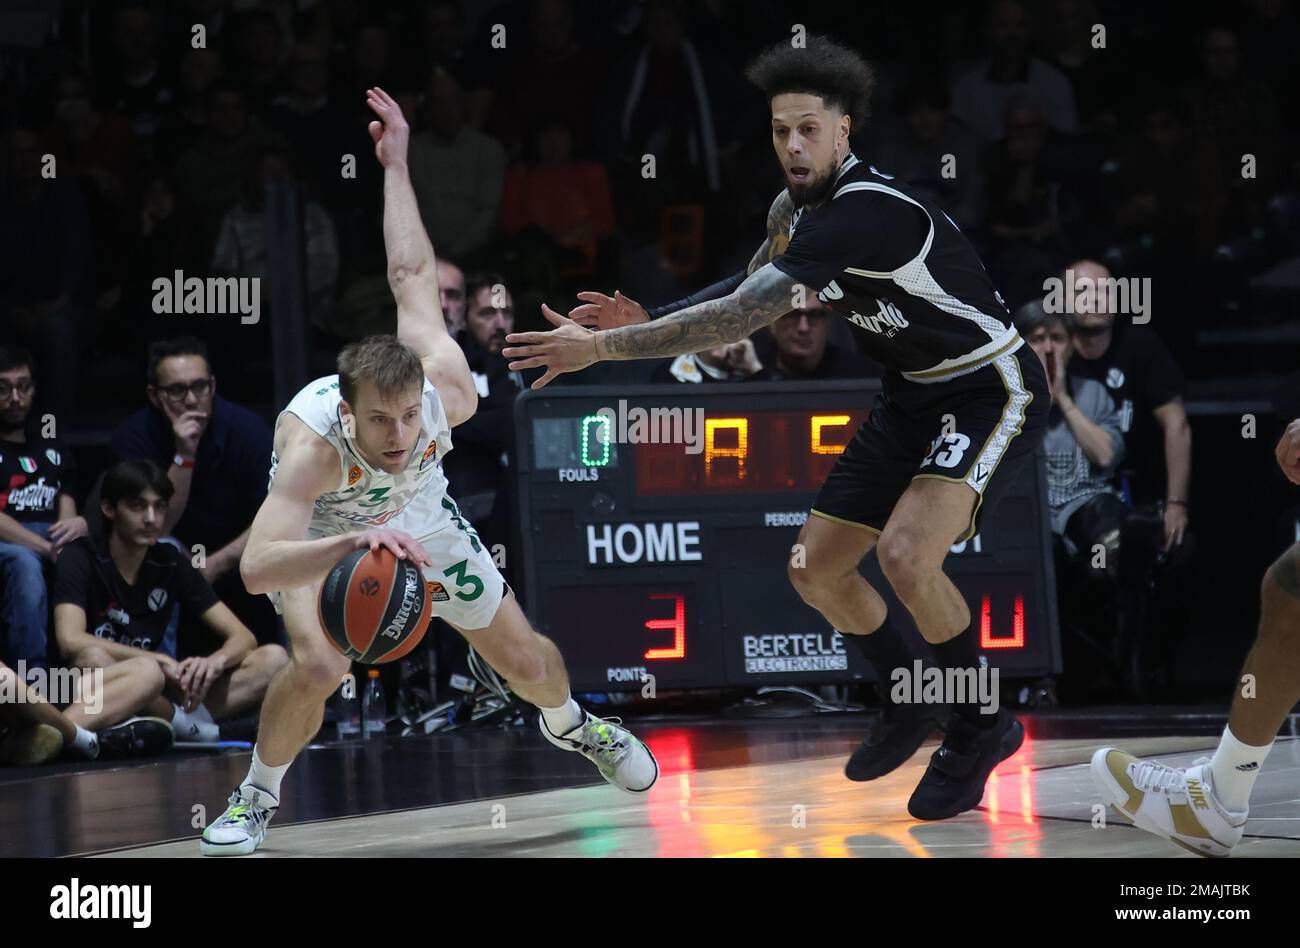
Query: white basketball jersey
x=414, y=500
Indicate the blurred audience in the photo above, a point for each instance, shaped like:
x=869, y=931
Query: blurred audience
x=217, y=458
x=803, y=351
x=451, y=295
x=113, y=598
x=38, y=513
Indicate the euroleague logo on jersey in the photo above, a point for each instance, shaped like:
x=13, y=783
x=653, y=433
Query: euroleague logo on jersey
x=430, y=453
x=354, y=475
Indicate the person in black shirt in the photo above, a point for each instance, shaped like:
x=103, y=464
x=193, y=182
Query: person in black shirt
x=963, y=407
x=217, y=455
x=38, y=516
x=803, y=352
x=1147, y=387
x=113, y=600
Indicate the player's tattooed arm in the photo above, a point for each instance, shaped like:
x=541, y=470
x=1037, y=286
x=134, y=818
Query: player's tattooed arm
x=766, y=295
x=779, y=216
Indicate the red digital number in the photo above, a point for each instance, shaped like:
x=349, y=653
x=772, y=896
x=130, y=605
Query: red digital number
x=1017, y=638
x=677, y=623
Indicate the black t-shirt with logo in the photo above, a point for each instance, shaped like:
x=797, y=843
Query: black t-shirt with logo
x=86, y=576
x=32, y=475
x=1141, y=375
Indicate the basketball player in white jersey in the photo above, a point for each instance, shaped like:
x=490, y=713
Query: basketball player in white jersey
x=1204, y=807
x=358, y=463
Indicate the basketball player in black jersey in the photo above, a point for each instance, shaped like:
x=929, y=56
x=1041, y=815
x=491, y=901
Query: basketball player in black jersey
x=963, y=406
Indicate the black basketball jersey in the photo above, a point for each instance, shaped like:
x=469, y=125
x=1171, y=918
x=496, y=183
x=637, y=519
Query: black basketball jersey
x=896, y=266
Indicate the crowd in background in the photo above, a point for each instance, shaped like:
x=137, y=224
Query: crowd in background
x=563, y=145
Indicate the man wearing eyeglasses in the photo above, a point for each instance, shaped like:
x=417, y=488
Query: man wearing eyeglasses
x=38, y=516
x=216, y=454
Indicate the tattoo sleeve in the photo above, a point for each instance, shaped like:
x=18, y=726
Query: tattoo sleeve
x=778, y=231
x=764, y=296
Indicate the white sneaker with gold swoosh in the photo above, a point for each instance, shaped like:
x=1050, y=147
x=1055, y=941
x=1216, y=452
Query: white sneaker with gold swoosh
x=1176, y=803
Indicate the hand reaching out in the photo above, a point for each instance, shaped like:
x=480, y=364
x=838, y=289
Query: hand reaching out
x=391, y=134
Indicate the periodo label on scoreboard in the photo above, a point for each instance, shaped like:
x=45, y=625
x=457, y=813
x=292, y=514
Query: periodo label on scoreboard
x=657, y=522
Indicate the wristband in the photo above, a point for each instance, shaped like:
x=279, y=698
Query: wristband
x=183, y=462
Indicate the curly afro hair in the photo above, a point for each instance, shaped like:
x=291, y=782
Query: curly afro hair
x=822, y=67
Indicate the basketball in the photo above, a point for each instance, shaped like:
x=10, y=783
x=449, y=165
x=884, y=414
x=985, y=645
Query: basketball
x=374, y=607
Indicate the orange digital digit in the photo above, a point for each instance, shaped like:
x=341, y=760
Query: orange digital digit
x=815, y=438
x=987, y=638
x=712, y=450
x=677, y=623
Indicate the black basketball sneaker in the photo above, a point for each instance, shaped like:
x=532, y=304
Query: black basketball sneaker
x=136, y=737
x=959, y=769
x=893, y=738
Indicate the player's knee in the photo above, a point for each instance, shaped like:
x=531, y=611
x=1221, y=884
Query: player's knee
x=319, y=672
x=900, y=561
x=146, y=672
x=1282, y=579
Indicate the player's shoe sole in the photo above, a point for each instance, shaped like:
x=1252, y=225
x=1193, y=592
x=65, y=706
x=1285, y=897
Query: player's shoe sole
x=31, y=745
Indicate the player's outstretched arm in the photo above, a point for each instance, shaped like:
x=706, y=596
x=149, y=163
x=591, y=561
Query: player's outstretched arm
x=277, y=556
x=765, y=296
x=413, y=268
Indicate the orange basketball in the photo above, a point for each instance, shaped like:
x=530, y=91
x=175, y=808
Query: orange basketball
x=374, y=607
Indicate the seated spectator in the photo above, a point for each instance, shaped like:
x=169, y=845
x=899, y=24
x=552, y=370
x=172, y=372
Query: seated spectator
x=451, y=294
x=38, y=516
x=803, y=351
x=565, y=199
x=457, y=173
x=33, y=730
x=113, y=597
x=1083, y=444
x=141, y=90
x=217, y=457
x=736, y=362
x=1011, y=71
x=1146, y=386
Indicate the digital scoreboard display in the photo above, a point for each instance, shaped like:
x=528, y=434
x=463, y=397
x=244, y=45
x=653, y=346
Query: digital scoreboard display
x=657, y=522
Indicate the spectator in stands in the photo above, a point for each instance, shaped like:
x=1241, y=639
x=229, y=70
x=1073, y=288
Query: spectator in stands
x=46, y=267
x=444, y=35
x=451, y=294
x=141, y=90
x=1083, y=445
x=567, y=200
x=315, y=127
x=736, y=362
x=112, y=600
x=242, y=242
x=33, y=730
x=1146, y=387
x=803, y=351
x=217, y=457
x=916, y=153
x=259, y=56
x=185, y=122
x=95, y=146
x=457, y=173
x=479, y=475
x=1011, y=71
x=38, y=515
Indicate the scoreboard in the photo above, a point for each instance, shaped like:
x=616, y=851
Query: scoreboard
x=657, y=522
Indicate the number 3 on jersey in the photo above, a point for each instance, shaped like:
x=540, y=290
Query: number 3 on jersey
x=947, y=450
x=464, y=579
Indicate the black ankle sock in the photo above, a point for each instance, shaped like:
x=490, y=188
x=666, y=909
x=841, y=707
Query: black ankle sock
x=960, y=652
x=884, y=650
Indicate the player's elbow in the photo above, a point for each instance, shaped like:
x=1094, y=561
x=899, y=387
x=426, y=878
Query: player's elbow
x=406, y=276
x=462, y=406
x=252, y=573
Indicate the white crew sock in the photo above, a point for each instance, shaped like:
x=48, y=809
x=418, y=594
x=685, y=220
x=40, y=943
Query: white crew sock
x=85, y=744
x=1234, y=768
x=196, y=725
x=562, y=720
x=264, y=776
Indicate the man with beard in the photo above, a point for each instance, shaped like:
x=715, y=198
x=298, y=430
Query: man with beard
x=963, y=407
x=38, y=516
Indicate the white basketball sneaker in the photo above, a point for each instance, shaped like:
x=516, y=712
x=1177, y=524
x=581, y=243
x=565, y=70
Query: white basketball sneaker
x=1176, y=803
x=621, y=759
x=242, y=828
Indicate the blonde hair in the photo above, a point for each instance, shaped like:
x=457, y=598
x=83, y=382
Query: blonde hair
x=385, y=361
